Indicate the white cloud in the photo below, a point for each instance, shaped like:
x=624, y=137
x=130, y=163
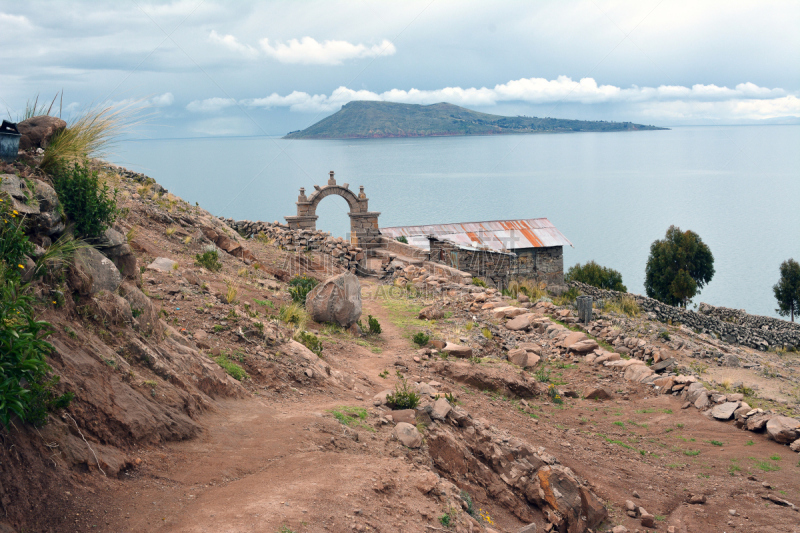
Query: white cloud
x=230, y=42
x=163, y=100
x=210, y=105
x=746, y=100
x=306, y=51
x=310, y=52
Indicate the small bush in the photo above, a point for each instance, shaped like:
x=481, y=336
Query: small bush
x=402, y=238
x=300, y=286
x=310, y=341
x=352, y=417
x=87, y=202
x=294, y=314
x=568, y=297
x=597, y=276
x=486, y=332
x=231, y=293
x=626, y=305
x=374, y=325
x=234, y=370
x=403, y=396
x=478, y=282
x=208, y=260
x=421, y=339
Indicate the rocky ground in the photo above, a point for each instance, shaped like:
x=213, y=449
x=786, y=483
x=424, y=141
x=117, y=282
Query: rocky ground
x=544, y=422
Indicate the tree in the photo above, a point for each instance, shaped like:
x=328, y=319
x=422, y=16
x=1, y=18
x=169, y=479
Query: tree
x=787, y=290
x=597, y=276
x=678, y=267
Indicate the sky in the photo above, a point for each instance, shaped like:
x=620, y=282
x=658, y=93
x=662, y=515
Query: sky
x=205, y=68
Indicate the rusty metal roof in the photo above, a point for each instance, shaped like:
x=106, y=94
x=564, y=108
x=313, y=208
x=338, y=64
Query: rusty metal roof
x=498, y=235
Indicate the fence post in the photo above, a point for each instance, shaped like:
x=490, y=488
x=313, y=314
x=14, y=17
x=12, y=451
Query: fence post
x=584, y=304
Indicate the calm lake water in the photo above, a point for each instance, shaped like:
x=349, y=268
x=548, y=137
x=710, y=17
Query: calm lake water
x=611, y=194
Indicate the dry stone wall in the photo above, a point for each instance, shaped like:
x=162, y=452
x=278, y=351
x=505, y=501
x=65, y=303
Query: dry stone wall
x=732, y=326
x=342, y=252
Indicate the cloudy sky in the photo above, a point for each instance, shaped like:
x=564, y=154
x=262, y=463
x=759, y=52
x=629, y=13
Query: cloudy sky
x=253, y=68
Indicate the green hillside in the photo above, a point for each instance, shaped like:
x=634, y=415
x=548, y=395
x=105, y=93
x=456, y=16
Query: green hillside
x=365, y=120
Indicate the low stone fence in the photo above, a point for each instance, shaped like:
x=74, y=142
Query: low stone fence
x=341, y=251
x=759, y=332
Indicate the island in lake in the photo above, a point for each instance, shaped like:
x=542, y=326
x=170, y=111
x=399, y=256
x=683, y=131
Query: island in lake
x=369, y=119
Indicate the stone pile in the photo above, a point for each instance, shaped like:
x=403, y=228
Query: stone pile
x=529, y=336
x=424, y=277
x=341, y=251
x=734, y=327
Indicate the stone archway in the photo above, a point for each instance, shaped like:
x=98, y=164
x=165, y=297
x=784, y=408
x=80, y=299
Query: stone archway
x=363, y=223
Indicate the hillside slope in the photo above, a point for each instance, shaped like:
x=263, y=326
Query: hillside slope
x=363, y=119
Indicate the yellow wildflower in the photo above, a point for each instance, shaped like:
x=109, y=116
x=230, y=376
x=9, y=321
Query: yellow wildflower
x=21, y=266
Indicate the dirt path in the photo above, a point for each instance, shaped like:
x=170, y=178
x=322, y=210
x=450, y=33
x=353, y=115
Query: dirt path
x=279, y=460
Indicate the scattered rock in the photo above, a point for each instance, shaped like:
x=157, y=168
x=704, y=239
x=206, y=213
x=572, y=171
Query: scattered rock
x=163, y=264
x=407, y=435
x=440, y=409
x=724, y=411
x=597, y=393
x=783, y=429
x=431, y=312
x=697, y=498
x=456, y=350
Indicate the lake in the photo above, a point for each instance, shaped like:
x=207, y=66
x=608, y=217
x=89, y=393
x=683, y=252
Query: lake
x=610, y=194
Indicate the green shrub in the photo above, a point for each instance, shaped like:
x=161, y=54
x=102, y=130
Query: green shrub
x=403, y=396
x=87, y=202
x=597, y=276
x=208, y=260
x=374, y=325
x=26, y=388
x=310, y=341
x=568, y=297
x=234, y=370
x=421, y=339
x=294, y=314
x=300, y=286
x=402, y=238
x=478, y=282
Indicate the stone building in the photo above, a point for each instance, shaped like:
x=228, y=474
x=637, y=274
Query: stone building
x=499, y=250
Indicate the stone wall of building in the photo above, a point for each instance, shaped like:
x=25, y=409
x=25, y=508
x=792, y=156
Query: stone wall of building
x=540, y=264
x=488, y=264
x=732, y=326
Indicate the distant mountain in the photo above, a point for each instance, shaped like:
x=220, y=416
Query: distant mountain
x=367, y=120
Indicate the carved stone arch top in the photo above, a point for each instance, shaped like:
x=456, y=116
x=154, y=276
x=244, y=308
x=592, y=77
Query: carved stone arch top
x=363, y=223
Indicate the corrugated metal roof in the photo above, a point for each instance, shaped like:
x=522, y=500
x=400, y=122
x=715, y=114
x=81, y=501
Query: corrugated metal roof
x=499, y=235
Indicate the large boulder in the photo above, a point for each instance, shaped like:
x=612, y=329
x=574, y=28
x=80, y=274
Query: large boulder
x=37, y=132
x=783, y=429
x=336, y=300
x=93, y=272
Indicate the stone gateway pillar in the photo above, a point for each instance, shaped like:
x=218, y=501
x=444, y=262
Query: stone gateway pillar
x=364, y=230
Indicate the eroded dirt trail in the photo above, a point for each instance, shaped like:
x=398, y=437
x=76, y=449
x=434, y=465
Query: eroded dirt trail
x=265, y=462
